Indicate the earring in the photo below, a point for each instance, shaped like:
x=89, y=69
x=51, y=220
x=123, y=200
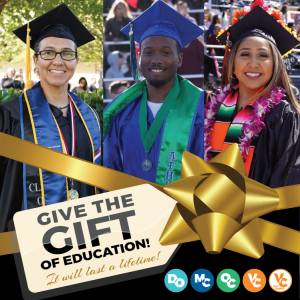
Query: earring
x=233, y=77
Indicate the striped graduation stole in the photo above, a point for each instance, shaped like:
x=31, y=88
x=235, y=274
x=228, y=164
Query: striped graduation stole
x=227, y=130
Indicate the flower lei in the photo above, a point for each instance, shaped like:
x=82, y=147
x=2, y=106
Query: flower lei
x=260, y=108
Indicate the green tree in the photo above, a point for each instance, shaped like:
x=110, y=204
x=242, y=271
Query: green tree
x=16, y=13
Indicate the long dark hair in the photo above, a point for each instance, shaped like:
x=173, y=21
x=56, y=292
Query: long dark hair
x=280, y=76
x=215, y=19
x=85, y=86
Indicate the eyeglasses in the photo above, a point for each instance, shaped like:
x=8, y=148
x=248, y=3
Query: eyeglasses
x=50, y=54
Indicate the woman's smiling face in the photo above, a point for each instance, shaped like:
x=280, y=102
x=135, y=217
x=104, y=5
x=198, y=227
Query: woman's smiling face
x=253, y=63
x=56, y=72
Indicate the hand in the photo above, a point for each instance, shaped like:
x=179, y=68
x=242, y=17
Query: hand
x=116, y=40
x=19, y=77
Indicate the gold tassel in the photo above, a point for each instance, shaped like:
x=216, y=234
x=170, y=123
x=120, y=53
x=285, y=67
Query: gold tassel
x=27, y=60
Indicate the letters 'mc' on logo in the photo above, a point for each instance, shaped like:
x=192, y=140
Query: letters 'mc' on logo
x=254, y=280
x=176, y=280
x=202, y=280
x=280, y=280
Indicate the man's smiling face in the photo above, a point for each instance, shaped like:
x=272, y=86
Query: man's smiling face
x=159, y=60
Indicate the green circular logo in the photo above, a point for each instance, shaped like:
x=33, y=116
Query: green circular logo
x=228, y=280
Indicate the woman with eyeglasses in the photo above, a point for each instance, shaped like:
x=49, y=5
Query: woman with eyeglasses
x=48, y=115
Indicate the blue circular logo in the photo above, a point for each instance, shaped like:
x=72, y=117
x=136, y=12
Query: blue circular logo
x=202, y=280
x=176, y=280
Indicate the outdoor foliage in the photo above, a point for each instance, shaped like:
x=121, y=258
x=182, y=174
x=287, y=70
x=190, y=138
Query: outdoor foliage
x=95, y=100
x=18, y=13
x=7, y=95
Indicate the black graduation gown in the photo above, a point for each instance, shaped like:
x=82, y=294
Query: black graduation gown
x=276, y=157
x=11, y=184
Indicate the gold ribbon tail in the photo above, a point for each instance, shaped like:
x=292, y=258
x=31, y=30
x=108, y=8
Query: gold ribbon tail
x=280, y=236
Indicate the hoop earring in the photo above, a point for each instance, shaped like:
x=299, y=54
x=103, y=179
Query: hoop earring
x=233, y=77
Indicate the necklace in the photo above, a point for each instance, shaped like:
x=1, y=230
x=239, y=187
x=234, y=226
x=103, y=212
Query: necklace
x=250, y=129
x=62, y=107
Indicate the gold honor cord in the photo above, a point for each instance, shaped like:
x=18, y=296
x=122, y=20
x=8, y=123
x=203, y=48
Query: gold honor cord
x=217, y=203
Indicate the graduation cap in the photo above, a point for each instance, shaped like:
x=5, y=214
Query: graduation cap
x=160, y=20
x=211, y=65
x=59, y=22
x=260, y=23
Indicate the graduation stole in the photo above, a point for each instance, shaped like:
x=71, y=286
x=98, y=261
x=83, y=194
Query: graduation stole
x=39, y=126
x=244, y=128
x=183, y=111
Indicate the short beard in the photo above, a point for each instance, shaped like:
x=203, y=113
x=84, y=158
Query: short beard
x=157, y=83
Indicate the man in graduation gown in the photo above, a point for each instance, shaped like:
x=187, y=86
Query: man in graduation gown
x=147, y=127
x=73, y=128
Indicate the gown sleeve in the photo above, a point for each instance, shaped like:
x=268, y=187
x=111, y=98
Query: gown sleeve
x=11, y=188
x=112, y=157
x=196, y=145
x=276, y=159
x=287, y=168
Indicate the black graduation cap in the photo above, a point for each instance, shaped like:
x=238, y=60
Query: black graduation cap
x=259, y=22
x=210, y=66
x=58, y=22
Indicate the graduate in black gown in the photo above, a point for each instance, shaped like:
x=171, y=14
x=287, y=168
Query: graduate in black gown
x=48, y=115
x=256, y=106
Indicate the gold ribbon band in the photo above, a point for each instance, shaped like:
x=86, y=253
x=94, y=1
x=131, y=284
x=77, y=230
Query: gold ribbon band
x=66, y=165
x=217, y=203
x=6, y=247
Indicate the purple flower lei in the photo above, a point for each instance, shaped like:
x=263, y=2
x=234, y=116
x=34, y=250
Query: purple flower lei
x=249, y=131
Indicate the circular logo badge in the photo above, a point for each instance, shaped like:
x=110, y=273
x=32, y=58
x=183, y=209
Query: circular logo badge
x=254, y=280
x=147, y=165
x=202, y=280
x=176, y=280
x=280, y=280
x=228, y=280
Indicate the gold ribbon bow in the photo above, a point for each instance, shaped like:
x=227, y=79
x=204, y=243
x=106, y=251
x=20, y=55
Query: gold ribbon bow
x=217, y=203
x=220, y=205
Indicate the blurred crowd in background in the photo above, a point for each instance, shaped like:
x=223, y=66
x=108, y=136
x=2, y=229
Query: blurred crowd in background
x=11, y=79
x=116, y=53
x=217, y=16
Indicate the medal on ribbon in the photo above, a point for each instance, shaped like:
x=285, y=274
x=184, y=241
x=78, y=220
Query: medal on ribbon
x=149, y=136
x=147, y=164
x=73, y=194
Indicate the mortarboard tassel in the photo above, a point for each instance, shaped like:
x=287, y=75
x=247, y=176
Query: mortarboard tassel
x=133, y=55
x=228, y=45
x=27, y=60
